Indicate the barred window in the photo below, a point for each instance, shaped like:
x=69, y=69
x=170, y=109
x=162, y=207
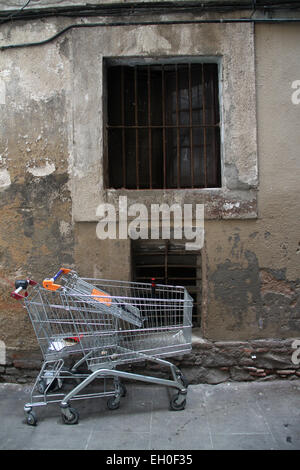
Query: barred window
x=169, y=263
x=163, y=127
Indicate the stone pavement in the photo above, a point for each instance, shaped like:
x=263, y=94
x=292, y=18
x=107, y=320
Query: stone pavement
x=231, y=415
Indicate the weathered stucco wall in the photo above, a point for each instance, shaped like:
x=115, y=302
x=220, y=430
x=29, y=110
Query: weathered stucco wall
x=226, y=43
x=36, y=231
x=253, y=266
x=51, y=171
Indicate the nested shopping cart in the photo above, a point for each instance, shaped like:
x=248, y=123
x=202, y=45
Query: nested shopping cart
x=105, y=325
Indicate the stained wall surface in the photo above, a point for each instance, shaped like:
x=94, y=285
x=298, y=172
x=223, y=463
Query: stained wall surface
x=53, y=160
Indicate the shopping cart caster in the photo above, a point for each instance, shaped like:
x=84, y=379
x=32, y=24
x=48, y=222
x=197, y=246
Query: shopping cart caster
x=177, y=402
x=113, y=403
x=31, y=418
x=69, y=415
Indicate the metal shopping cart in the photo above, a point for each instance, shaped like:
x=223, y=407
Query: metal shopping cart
x=104, y=324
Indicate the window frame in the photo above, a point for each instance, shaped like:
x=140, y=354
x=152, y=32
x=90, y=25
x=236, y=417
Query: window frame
x=173, y=60
x=226, y=44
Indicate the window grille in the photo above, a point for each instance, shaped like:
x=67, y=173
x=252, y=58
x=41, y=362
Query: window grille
x=163, y=129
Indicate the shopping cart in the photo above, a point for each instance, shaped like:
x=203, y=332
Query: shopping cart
x=104, y=324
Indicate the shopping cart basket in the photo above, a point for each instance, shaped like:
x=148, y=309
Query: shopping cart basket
x=105, y=324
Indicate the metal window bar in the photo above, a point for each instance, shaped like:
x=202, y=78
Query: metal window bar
x=164, y=126
x=159, y=158
x=136, y=128
x=149, y=125
x=177, y=127
x=191, y=127
x=123, y=128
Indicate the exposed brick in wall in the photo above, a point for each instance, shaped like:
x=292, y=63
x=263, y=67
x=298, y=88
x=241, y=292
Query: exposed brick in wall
x=209, y=362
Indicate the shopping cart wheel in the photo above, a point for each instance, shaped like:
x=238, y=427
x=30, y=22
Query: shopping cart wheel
x=113, y=404
x=70, y=415
x=31, y=418
x=176, y=404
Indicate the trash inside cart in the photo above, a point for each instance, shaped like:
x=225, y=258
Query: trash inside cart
x=104, y=325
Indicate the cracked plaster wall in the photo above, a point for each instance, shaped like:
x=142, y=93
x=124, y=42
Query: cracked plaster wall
x=51, y=157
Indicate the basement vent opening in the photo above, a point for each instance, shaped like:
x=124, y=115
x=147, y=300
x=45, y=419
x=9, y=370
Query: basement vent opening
x=170, y=264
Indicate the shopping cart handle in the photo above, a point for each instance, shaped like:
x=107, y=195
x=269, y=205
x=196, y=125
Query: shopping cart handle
x=50, y=283
x=22, y=285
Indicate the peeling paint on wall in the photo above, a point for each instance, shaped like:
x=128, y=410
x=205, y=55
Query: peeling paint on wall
x=42, y=170
x=5, y=180
x=237, y=287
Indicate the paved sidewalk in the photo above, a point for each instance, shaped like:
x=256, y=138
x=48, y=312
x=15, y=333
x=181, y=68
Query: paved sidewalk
x=248, y=415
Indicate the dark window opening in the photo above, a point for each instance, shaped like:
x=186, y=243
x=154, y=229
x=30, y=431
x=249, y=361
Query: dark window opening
x=169, y=263
x=163, y=128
